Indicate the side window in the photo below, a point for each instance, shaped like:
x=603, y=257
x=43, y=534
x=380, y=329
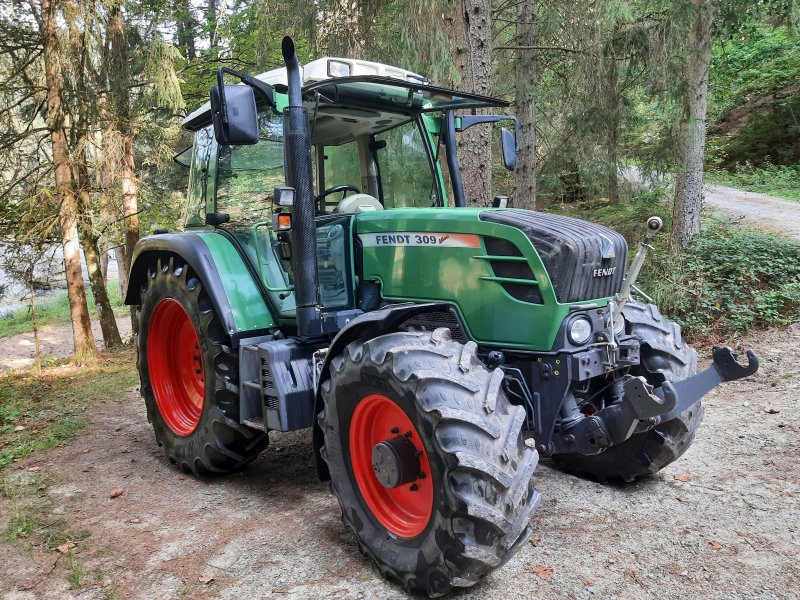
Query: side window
x=406, y=177
x=198, y=178
x=246, y=175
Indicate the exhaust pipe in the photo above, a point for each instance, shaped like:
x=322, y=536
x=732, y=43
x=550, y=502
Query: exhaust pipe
x=297, y=166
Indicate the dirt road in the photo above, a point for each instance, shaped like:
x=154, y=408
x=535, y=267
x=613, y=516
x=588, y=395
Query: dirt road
x=723, y=522
x=756, y=211
x=17, y=351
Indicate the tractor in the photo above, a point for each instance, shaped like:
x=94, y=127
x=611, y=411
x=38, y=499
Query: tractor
x=330, y=276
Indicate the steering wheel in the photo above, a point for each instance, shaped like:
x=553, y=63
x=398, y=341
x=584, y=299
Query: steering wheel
x=333, y=190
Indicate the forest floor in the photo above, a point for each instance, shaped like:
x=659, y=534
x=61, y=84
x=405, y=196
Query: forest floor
x=106, y=516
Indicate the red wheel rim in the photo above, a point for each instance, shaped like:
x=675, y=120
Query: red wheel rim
x=176, y=366
x=404, y=510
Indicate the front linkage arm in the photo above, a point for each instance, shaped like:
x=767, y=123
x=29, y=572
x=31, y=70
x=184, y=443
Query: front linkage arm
x=642, y=407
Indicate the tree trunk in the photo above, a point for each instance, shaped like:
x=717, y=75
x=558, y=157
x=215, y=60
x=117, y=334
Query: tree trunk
x=525, y=102
x=83, y=340
x=612, y=121
x=473, y=58
x=185, y=25
x=120, y=101
x=692, y=129
x=119, y=256
x=108, y=322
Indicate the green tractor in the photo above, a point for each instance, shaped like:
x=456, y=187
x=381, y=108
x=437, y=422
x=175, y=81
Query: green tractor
x=437, y=351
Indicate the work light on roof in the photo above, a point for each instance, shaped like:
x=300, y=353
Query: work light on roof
x=339, y=68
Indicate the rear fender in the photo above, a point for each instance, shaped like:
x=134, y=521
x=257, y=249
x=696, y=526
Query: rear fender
x=246, y=317
x=363, y=327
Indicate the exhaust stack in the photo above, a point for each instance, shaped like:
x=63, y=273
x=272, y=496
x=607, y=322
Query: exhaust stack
x=297, y=165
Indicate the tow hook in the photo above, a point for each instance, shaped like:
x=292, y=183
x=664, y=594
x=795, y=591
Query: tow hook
x=725, y=367
x=643, y=407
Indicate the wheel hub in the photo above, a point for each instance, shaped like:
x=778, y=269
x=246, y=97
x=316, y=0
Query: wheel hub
x=395, y=461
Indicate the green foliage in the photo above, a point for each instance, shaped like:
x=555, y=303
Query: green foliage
x=755, y=99
x=774, y=180
x=727, y=282
x=752, y=64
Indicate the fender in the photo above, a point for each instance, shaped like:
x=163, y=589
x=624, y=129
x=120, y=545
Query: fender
x=363, y=327
x=244, y=317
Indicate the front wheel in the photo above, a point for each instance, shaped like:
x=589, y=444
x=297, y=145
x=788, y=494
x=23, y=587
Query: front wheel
x=427, y=459
x=188, y=375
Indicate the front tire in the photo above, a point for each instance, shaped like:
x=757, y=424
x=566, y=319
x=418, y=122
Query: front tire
x=465, y=508
x=188, y=375
x=665, y=356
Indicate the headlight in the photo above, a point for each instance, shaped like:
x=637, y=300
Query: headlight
x=579, y=331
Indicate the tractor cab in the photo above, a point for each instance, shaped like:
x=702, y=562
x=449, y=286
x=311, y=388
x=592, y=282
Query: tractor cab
x=379, y=135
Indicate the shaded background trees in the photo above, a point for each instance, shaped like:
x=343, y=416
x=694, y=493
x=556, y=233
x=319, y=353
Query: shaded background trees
x=607, y=91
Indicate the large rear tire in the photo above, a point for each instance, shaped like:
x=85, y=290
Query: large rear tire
x=463, y=497
x=665, y=356
x=188, y=375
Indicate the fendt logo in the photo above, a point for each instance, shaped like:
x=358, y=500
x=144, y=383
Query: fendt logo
x=604, y=272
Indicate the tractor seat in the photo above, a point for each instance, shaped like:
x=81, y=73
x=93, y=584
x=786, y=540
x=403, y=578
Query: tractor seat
x=356, y=203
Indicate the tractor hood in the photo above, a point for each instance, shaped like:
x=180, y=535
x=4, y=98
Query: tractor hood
x=584, y=260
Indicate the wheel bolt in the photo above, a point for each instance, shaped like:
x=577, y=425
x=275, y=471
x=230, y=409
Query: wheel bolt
x=395, y=430
x=413, y=487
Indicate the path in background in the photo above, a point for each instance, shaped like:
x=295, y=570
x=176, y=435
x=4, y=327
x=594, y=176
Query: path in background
x=756, y=211
x=16, y=351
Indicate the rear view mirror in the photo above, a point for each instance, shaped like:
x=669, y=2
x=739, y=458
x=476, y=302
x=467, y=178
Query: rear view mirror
x=233, y=110
x=509, y=144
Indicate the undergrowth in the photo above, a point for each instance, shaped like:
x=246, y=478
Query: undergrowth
x=727, y=282
x=775, y=180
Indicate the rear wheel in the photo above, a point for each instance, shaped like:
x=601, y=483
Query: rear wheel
x=188, y=376
x=665, y=356
x=427, y=459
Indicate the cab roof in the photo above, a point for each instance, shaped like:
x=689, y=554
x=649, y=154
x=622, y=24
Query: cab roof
x=347, y=82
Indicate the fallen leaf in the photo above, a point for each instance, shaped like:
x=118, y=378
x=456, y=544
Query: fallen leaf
x=543, y=572
x=135, y=520
x=106, y=582
x=64, y=548
x=772, y=411
x=534, y=542
x=116, y=492
x=27, y=584
x=205, y=578
x=181, y=477
x=682, y=478
x=588, y=582
x=20, y=428
x=715, y=544
x=34, y=469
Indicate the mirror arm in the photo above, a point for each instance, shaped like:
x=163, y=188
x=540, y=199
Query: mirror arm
x=262, y=88
x=470, y=120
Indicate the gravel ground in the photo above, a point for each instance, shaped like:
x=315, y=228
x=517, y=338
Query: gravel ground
x=722, y=522
x=756, y=211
